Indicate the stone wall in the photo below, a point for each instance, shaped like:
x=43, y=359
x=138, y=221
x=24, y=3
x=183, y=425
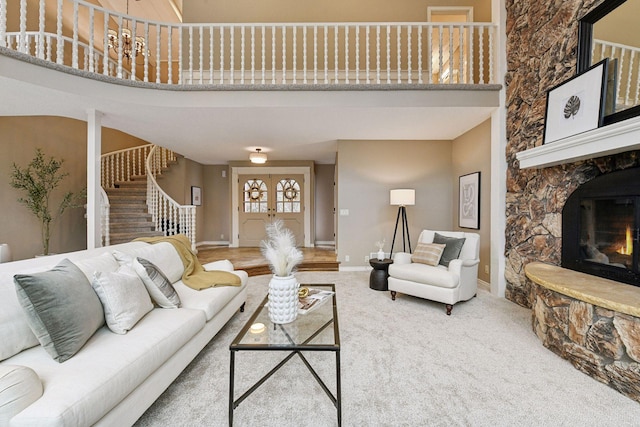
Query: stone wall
x=542, y=39
x=599, y=342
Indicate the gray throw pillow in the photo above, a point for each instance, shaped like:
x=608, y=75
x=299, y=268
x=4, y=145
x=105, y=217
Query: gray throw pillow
x=452, y=249
x=62, y=309
x=157, y=284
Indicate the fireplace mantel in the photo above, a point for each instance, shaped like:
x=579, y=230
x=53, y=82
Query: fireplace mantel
x=615, y=138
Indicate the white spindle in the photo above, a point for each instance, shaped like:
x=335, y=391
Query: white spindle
x=284, y=54
x=409, y=51
x=41, y=18
x=388, y=54
x=326, y=54
x=180, y=65
x=201, y=54
x=253, y=55
x=335, y=54
x=273, y=54
x=451, y=56
x=295, y=53
x=231, y=53
x=242, y=54
x=134, y=34
x=211, y=53
x=377, y=54
x=304, y=54
x=158, y=53
x=461, y=46
x=145, y=55
x=471, y=40
x=357, y=29
x=491, y=29
x=190, y=56
x=429, y=55
x=262, y=53
x=221, y=55
x=315, y=54
x=420, y=54
x=3, y=23
x=119, y=51
x=399, y=52
x=480, y=53
x=49, y=47
x=367, y=54
x=440, y=56
x=23, y=47
x=346, y=54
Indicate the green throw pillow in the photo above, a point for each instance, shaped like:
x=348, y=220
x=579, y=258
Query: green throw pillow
x=452, y=249
x=62, y=309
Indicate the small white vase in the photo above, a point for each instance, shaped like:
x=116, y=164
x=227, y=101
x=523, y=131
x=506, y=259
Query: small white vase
x=380, y=255
x=283, y=299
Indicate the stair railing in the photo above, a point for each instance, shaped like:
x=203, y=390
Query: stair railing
x=167, y=215
x=122, y=165
x=105, y=208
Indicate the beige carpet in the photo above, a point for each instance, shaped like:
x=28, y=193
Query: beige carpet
x=404, y=363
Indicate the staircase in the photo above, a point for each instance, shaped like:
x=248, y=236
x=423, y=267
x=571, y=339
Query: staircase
x=129, y=212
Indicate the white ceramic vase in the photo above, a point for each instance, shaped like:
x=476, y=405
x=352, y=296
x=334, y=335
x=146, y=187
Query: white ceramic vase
x=380, y=255
x=283, y=299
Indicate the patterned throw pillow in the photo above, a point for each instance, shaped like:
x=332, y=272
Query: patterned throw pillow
x=428, y=253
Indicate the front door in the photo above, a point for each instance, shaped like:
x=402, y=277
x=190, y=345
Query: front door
x=266, y=198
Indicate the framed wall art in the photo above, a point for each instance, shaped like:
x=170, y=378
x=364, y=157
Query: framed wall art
x=196, y=196
x=469, y=207
x=576, y=105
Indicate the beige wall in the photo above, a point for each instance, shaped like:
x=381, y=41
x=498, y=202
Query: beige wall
x=367, y=170
x=60, y=138
x=217, y=198
x=324, y=11
x=472, y=153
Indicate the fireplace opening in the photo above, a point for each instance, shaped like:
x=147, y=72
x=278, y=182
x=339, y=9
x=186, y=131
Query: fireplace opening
x=600, y=227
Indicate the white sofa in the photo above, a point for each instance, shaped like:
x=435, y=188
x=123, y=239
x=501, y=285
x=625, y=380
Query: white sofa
x=113, y=378
x=448, y=285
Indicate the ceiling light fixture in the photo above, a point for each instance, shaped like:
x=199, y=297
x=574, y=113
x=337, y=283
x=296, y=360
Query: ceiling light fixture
x=258, y=156
x=129, y=48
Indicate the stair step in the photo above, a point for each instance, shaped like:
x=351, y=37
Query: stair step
x=128, y=208
x=141, y=225
x=138, y=183
x=116, y=238
x=126, y=198
x=128, y=216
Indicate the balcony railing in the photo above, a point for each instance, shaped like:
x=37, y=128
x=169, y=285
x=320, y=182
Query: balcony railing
x=77, y=34
x=627, y=70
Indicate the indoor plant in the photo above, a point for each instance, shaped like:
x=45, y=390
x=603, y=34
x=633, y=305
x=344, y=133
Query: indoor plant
x=283, y=257
x=37, y=181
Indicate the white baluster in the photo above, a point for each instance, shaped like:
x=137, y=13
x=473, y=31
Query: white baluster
x=253, y=55
x=335, y=54
x=357, y=48
x=232, y=54
x=284, y=54
x=346, y=54
x=294, y=29
x=180, y=65
x=22, y=47
x=491, y=30
x=273, y=54
x=3, y=23
x=134, y=34
x=409, y=51
x=461, y=46
x=211, y=53
x=221, y=55
x=440, y=55
x=262, y=51
x=304, y=54
x=91, y=31
x=481, y=56
x=145, y=53
x=420, y=54
x=59, y=40
x=326, y=54
x=41, y=20
x=201, y=54
x=451, y=57
x=399, y=52
x=242, y=54
x=377, y=54
x=158, y=53
x=48, y=54
x=368, y=54
x=315, y=54
x=119, y=51
x=470, y=80
x=190, y=56
x=388, y=54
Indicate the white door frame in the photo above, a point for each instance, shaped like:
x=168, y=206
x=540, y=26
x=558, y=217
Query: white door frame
x=235, y=203
x=450, y=10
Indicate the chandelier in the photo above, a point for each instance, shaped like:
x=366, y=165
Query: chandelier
x=129, y=48
x=258, y=156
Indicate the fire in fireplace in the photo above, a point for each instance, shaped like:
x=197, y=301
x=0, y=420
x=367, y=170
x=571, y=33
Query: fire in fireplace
x=600, y=227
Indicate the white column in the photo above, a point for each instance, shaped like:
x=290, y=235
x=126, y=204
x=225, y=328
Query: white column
x=498, y=160
x=94, y=150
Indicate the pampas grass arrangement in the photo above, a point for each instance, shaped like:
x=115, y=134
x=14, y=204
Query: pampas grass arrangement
x=280, y=249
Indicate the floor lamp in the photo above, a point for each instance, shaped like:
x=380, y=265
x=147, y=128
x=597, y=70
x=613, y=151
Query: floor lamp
x=401, y=198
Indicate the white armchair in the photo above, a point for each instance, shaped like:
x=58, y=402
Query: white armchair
x=446, y=284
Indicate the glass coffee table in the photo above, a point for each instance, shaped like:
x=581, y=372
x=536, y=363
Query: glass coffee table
x=316, y=330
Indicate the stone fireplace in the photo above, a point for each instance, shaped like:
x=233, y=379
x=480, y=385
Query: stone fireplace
x=599, y=331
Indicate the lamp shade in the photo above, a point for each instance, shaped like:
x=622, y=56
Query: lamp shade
x=403, y=197
x=258, y=157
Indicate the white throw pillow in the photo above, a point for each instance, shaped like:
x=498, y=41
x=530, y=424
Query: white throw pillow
x=157, y=284
x=124, y=298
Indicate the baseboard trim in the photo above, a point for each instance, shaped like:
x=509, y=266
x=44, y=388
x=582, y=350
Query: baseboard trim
x=213, y=243
x=325, y=243
x=484, y=285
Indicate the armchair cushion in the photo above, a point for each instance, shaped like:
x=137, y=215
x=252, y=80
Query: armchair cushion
x=428, y=253
x=452, y=249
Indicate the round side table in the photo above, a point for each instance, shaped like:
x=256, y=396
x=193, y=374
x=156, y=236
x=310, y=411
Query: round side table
x=379, y=274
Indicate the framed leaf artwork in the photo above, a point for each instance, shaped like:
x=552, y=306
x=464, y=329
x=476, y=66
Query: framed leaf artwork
x=576, y=105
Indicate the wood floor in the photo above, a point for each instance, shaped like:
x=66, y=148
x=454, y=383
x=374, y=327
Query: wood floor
x=252, y=261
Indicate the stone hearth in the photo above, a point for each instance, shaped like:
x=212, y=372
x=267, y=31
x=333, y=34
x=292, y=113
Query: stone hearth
x=592, y=322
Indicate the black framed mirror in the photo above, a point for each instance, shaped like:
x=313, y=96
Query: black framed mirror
x=611, y=31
